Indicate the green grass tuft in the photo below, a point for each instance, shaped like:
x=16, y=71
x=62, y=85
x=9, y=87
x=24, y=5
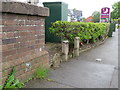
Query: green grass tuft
x=41, y=73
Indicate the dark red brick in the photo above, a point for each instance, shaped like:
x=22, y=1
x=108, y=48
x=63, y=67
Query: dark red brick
x=8, y=29
x=10, y=16
x=7, y=47
x=10, y=35
x=8, y=41
x=9, y=22
x=7, y=53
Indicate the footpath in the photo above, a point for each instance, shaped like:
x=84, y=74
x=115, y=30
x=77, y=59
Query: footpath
x=84, y=71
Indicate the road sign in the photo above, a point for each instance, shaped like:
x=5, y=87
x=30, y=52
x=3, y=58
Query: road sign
x=105, y=12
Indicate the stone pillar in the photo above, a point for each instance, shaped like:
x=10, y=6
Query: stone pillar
x=76, y=46
x=65, y=49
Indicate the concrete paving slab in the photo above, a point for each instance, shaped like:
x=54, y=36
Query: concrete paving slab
x=114, y=81
x=83, y=74
x=108, y=52
x=107, y=58
x=37, y=83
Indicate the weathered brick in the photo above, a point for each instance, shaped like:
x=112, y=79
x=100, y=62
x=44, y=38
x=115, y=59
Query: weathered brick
x=1, y=22
x=22, y=77
x=0, y=49
x=12, y=57
x=6, y=65
x=21, y=50
x=32, y=18
x=17, y=45
x=6, y=72
x=7, y=53
x=10, y=34
x=20, y=28
x=0, y=29
x=9, y=22
x=22, y=17
x=4, y=79
x=7, y=47
x=20, y=72
x=23, y=33
x=8, y=41
x=0, y=35
x=8, y=29
x=4, y=35
x=10, y=16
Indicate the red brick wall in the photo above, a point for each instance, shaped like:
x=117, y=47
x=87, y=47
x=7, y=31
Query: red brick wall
x=23, y=40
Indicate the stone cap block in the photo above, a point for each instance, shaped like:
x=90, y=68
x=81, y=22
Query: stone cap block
x=24, y=8
x=65, y=41
x=77, y=38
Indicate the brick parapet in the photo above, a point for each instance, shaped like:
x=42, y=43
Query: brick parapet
x=22, y=39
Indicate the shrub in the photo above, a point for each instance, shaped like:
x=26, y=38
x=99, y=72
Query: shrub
x=86, y=31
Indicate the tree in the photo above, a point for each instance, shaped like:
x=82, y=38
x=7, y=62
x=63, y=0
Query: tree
x=115, y=14
x=83, y=19
x=96, y=16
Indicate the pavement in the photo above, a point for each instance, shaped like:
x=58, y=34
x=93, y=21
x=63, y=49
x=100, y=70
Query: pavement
x=84, y=71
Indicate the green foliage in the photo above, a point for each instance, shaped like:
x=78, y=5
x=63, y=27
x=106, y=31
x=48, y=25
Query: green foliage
x=12, y=82
x=115, y=14
x=96, y=16
x=41, y=73
x=70, y=30
x=30, y=78
x=1, y=87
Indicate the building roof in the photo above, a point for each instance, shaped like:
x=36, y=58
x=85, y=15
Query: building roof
x=89, y=19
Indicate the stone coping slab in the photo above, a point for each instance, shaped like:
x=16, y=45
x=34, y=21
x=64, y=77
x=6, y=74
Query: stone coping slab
x=24, y=8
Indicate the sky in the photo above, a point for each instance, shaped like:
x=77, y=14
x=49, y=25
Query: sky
x=87, y=6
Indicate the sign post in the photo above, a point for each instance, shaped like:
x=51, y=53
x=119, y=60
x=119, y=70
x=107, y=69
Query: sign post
x=105, y=14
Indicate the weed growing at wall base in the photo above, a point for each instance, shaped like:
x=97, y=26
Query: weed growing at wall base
x=12, y=82
x=41, y=73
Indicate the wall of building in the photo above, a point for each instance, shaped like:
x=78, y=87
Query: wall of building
x=22, y=37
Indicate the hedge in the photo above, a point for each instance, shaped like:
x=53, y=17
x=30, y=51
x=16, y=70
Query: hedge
x=86, y=31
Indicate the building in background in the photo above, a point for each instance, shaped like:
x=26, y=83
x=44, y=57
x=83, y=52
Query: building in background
x=74, y=15
x=33, y=1
x=89, y=19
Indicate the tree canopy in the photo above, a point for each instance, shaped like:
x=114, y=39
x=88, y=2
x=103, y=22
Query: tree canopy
x=96, y=16
x=115, y=14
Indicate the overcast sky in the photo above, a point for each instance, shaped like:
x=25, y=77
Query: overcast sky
x=87, y=6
